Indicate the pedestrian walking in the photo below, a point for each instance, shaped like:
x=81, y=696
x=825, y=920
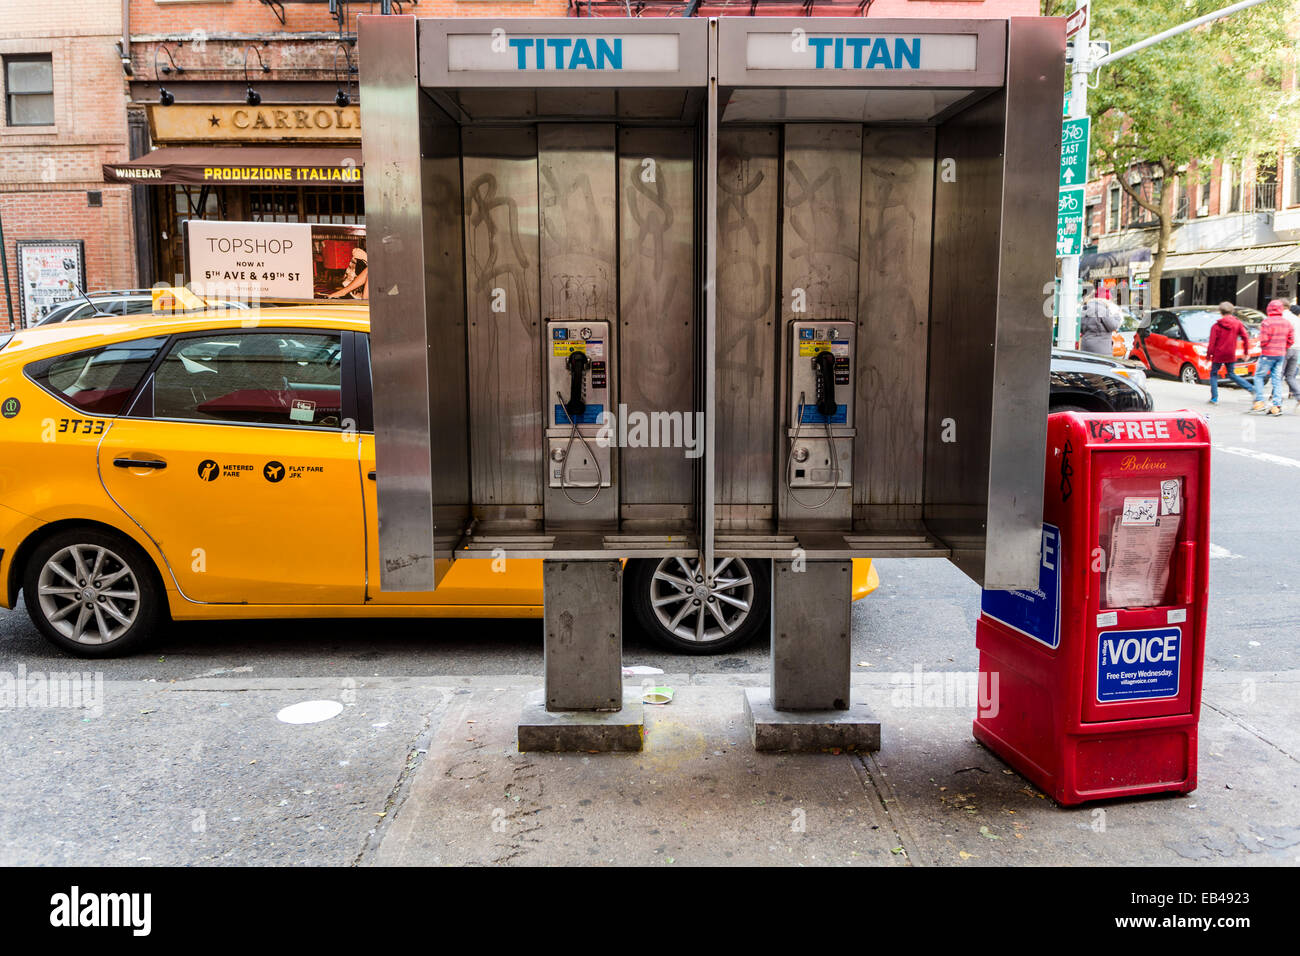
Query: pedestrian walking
x=1098, y=319
x=1291, y=369
x=1221, y=349
x=1276, y=336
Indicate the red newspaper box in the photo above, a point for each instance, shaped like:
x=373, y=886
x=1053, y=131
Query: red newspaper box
x=1094, y=678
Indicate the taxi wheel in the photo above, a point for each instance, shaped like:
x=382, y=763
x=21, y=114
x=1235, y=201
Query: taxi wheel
x=92, y=593
x=679, y=606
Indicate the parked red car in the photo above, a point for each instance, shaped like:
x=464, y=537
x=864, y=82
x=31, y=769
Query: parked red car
x=1173, y=343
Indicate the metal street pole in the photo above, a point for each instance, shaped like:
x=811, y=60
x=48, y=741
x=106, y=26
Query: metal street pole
x=1082, y=65
x=1174, y=31
x=1067, y=329
x=4, y=267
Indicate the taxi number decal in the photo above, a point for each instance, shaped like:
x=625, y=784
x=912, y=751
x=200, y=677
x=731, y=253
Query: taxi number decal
x=82, y=426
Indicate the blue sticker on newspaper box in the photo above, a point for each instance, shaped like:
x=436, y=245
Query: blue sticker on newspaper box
x=1035, y=613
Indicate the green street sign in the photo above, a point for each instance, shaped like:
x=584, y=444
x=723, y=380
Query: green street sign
x=1074, y=151
x=1069, y=222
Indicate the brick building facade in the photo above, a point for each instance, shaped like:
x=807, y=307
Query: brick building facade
x=1235, y=231
x=52, y=149
x=179, y=74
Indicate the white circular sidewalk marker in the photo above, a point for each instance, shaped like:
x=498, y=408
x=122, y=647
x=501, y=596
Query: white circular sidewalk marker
x=310, y=712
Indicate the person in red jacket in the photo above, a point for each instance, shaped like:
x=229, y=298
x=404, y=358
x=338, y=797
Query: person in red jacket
x=1222, y=349
x=1276, y=335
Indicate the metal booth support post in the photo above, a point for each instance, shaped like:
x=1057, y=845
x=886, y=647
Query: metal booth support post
x=583, y=706
x=809, y=705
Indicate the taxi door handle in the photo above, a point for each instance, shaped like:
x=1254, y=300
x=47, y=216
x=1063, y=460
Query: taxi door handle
x=370, y=475
x=139, y=463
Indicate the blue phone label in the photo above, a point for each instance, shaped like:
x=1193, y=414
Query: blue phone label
x=813, y=417
x=589, y=416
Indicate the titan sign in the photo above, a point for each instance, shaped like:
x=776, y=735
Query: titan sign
x=649, y=53
x=782, y=51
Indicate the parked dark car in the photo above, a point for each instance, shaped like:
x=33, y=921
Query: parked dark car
x=1084, y=382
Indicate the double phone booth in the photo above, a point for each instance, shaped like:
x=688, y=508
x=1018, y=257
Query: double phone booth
x=723, y=295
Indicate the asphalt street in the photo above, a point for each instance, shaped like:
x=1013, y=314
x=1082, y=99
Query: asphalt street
x=191, y=739
x=923, y=612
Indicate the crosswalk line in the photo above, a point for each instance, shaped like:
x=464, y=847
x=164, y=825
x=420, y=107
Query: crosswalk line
x=1258, y=455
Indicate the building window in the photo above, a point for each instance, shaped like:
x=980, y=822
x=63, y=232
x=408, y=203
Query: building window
x=1205, y=193
x=1234, y=188
x=273, y=204
x=29, y=90
x=175, y=205
x=1137, y=216
x=1112, y=213
x=326, y=204
x=1266, y=183
x=333, y=205
x=1295, y=178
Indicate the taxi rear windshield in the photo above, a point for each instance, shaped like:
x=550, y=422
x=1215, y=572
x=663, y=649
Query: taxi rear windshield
x=97, y=381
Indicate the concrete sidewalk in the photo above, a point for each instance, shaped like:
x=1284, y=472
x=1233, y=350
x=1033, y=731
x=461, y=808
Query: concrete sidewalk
x=425, y=771
x=699, y=795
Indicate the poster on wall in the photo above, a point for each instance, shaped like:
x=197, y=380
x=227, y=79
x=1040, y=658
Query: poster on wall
x=50, y=272
x=276, y=260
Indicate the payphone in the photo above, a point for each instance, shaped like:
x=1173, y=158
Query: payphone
x=578, y=377
x=820, y=431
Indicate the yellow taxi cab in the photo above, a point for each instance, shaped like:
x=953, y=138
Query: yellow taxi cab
x=222, y=466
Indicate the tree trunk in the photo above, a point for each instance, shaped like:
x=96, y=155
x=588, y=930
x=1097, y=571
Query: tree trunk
x=1164, y=213
x=1165, y=220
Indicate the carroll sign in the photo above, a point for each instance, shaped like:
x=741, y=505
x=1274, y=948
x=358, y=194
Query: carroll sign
x=298, y=122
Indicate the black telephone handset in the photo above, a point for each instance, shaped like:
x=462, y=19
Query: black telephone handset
x=577, y=363
x=824, y=371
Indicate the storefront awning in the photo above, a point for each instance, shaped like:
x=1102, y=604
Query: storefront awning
x=241, y=166
x=1180, y=263
x=1280, y=257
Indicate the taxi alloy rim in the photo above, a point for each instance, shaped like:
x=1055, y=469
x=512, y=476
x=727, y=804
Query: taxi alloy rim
x=701, y=608
x=88, y=594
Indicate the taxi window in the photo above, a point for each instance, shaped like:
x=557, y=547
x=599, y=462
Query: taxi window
x=288, y=378
x=97, y=381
